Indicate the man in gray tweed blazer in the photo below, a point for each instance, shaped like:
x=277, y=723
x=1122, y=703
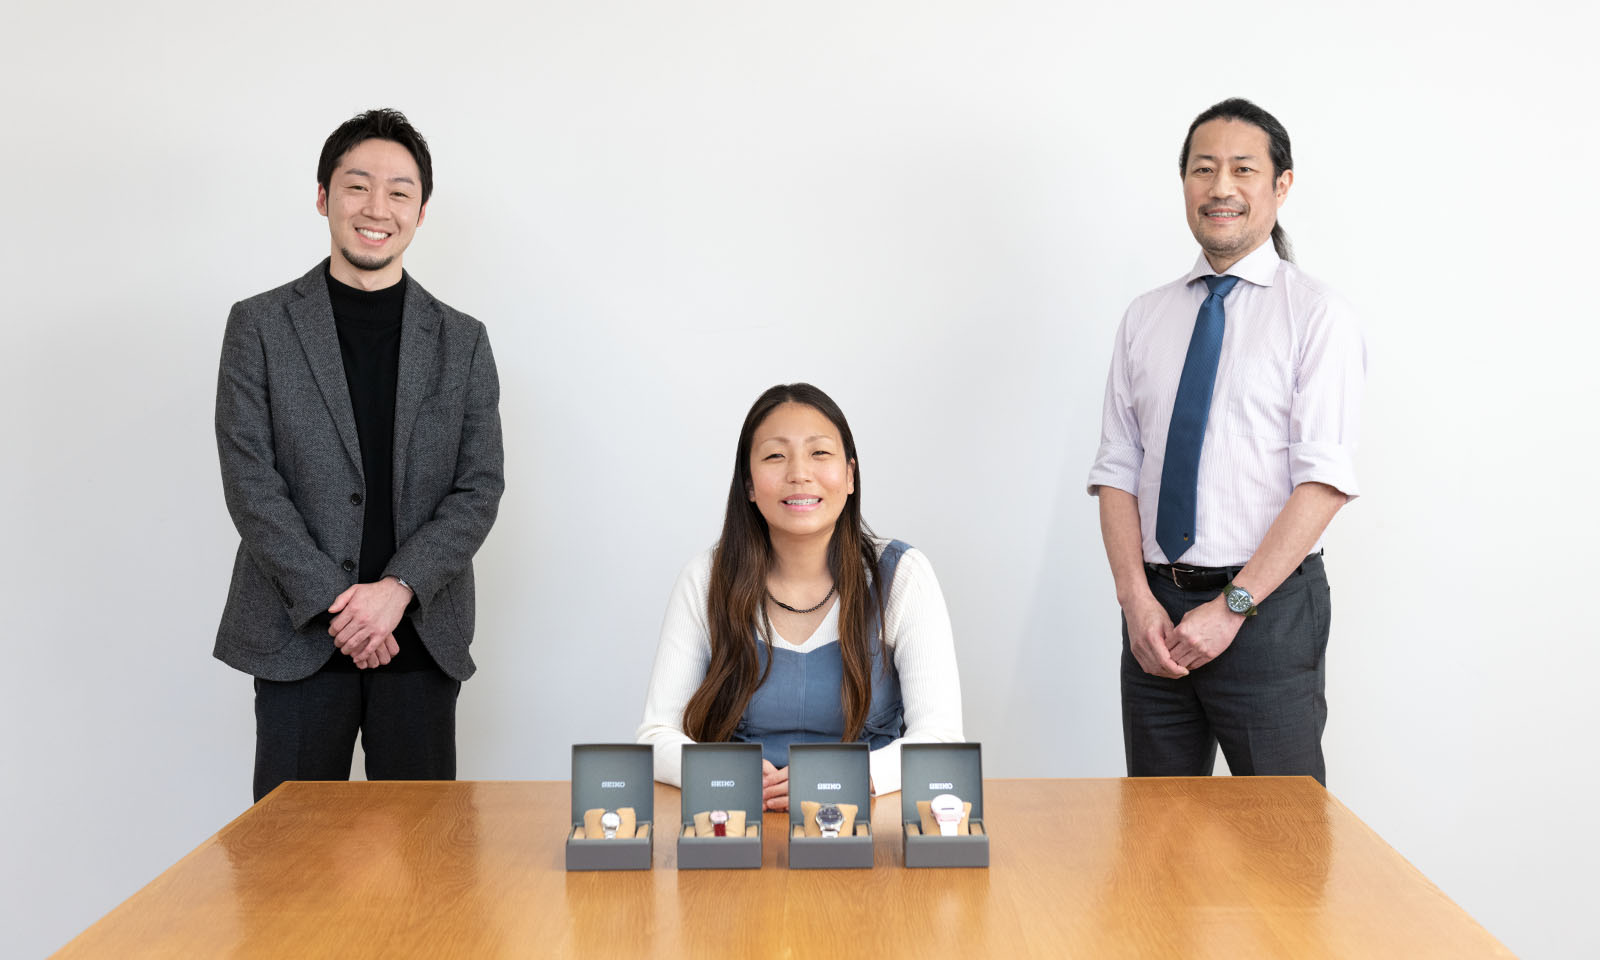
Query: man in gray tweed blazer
x=358, y=430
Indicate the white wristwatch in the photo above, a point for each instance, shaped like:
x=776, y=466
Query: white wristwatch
x=947, y=810
x=610, y=822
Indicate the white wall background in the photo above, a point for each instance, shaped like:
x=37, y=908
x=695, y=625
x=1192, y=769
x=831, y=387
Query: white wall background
x=937, y=212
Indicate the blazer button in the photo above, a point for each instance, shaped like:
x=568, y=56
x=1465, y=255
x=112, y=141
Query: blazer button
x=355, y=498
x=349, y=565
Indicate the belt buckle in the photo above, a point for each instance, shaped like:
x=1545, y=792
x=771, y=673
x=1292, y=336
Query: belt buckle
x=1172, y=568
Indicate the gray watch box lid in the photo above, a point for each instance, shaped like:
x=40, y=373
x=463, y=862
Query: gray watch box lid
x=829, y=773
x=929, y=769
x=612, y=776
x=721, y=776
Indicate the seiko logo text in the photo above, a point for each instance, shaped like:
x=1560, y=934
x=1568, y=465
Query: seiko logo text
x=722, y=783
x=941, y=786
x=830, y=786
x=613, y=784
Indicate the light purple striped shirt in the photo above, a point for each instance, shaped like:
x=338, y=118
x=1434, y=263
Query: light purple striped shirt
x=1286, y=408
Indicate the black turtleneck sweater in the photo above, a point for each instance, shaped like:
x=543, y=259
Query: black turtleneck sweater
x=369, y=343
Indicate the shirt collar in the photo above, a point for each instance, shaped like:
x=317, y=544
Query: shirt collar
x=1259, y=266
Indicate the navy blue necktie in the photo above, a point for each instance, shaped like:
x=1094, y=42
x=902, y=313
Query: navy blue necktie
x=1180, y=472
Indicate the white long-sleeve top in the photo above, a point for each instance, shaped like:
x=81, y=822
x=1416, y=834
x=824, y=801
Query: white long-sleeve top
x=916, y=631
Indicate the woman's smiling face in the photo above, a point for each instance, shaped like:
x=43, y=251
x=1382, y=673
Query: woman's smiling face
x=800, y=478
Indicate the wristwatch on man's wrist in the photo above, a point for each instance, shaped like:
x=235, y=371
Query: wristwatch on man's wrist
x=1239, y=600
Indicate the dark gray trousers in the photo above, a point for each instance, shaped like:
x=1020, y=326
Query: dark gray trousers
x=306, y=729
x=1263, y=699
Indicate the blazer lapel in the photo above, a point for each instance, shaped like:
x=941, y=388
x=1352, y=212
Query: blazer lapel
x=419, y=344
x=313, y=321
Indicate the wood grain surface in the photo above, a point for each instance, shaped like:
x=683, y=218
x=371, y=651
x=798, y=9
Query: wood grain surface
x=1206, y=867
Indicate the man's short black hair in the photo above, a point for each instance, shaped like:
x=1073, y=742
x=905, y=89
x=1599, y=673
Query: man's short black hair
x=1238, y=108
x=385, y=123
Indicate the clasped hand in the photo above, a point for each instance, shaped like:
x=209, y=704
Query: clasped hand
x=774, y=786
x=1165, y=650
x=364, y=620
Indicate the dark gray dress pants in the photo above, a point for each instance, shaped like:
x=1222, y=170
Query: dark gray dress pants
x=306, y=729
x=1263, y=699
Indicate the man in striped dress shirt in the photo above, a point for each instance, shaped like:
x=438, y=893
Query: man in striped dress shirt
x=1227, y=445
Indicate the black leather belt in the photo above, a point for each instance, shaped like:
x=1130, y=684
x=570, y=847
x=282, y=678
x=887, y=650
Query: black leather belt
x=1186, y=577
x=1193, y=578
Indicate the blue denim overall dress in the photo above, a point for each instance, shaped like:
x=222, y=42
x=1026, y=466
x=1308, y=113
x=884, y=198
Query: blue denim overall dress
x=799, y=702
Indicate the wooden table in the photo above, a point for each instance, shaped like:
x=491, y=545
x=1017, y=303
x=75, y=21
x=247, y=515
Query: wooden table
x=1207, y=867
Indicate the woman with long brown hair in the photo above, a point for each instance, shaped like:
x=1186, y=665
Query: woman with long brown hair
x=799, y=625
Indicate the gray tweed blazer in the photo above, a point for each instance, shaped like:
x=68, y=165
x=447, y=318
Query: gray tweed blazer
x=291, y=470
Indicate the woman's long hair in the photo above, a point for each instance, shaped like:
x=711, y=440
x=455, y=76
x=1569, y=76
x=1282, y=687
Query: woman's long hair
x=737, y=597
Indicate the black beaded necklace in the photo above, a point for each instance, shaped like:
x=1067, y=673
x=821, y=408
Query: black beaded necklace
x=808, y=609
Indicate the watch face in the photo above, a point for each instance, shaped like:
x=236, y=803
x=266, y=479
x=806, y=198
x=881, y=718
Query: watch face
x=719, y=816
x=610, y=820
x=830, y=816
x=946, y=806
x=1239, y=601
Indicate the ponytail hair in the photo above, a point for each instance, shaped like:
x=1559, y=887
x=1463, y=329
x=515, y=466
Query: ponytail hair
x=1238, y=108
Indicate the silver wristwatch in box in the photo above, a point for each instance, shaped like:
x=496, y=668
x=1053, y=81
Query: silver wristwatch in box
x=830, y=818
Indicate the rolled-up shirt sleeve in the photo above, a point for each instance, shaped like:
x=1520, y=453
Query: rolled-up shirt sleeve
x=1325, y=413
x=1121, y=452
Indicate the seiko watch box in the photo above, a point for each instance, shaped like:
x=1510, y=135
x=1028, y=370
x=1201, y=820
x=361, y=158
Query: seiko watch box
x=611, y=776
x=723, y=777
x=830, y=773
x=932, y=770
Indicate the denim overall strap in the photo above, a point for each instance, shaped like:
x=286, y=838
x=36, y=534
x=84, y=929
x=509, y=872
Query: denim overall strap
x=886, y=713
x=888, y=563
